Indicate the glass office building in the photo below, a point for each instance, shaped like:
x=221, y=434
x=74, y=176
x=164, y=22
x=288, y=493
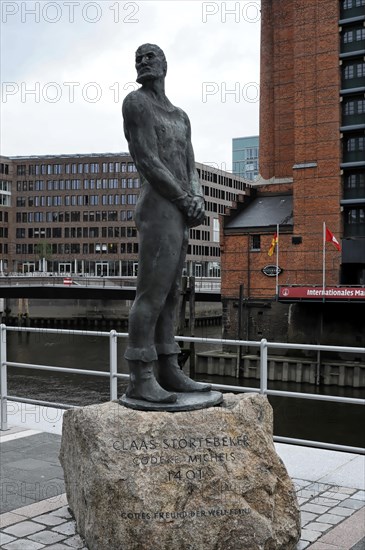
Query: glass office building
x=245, y=157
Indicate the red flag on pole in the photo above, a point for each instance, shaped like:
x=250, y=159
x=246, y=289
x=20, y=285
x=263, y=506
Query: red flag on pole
x=332, y=239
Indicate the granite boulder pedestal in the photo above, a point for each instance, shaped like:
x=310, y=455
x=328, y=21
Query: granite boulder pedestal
x=206, y=479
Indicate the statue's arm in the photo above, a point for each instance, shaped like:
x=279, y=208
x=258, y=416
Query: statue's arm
x=194, y=203
x=139, y=132
x=194, y=181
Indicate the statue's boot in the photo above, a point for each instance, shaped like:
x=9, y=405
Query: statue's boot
x=172, y=378
x=143, y=384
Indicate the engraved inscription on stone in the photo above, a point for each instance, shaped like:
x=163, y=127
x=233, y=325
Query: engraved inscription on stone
x=189, y=480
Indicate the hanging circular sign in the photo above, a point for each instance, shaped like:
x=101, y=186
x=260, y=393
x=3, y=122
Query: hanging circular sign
x=271, y=270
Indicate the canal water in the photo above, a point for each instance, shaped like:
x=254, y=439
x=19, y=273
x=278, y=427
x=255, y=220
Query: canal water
x=298, y=418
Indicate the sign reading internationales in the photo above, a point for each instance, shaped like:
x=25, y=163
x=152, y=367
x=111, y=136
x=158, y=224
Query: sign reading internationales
x=329, y=293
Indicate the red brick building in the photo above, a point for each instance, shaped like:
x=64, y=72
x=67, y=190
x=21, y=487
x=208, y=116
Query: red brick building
x=312, y=171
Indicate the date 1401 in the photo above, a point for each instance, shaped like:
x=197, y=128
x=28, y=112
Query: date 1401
x=188, y=474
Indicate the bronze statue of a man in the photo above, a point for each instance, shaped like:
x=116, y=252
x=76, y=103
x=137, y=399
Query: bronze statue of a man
x=170, y=201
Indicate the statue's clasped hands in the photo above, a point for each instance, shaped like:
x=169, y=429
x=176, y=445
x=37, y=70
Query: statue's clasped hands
x=193, y=209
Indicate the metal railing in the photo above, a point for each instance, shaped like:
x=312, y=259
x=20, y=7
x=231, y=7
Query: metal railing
x=55, y=279
x=263, y=346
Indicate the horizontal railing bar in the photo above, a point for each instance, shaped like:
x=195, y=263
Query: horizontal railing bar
x=58, y=369
x=42, y=403
x=120, y=375
x=59, y=331
x=217, y=341
x=264, y=345
x=250, y=343
x=238, y=389
x=319, y=444
x=315, y=347
x=317, y=397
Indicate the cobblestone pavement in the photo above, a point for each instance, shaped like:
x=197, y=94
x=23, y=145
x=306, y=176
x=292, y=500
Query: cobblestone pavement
x=36, y=514
x=49, y=524
x=325, y=506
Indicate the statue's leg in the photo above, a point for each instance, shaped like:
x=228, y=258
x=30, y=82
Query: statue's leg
x=158, y=262
x=143, y=384
x=170, y=376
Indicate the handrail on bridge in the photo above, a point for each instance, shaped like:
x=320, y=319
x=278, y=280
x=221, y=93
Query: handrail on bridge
x=113, y=375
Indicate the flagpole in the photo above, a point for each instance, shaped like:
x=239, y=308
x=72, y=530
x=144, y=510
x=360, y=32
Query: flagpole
x=277, y=262
x=324, y=260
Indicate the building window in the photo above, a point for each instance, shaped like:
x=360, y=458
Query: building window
x=255, y=242
x=94, y=167
x=355, y=216
x=131, y=199
x=215, y=230
x=355, y=144
x=349, y=72
x=354, y=181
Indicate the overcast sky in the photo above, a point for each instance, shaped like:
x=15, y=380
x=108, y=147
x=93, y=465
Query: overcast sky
x=67, y=66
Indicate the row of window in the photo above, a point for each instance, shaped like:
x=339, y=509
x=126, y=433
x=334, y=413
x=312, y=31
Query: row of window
x=214, y=207
x=348, y=4
x=201, y=250
x=90, y=232
x=75, y=232
x=354, y=143
x=353, y=106
x=78, y=248
x=353, y=35
x=247, y=153
x=354, y=180
x=354, y=69
x=90, y=216
x=75, y=168
x=76, y=200
x=206, y=175
x=198, y=235
x=103, y=248
x=219, y=193
x=76, y=184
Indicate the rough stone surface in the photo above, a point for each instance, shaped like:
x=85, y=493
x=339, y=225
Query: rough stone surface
x=199, y=480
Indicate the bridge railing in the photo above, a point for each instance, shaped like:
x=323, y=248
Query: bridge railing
x=263, y=346
x=202, y=284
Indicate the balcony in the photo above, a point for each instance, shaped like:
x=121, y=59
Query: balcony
x=354, y=194
x=354, y=119
x=354, y=82
x=353, y=156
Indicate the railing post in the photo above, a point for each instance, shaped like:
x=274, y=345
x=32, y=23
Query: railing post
x=3, y=380
x=263, y=366
x=113, y=366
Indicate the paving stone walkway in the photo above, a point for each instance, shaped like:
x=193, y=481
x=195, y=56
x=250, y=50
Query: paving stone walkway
x=35, y=514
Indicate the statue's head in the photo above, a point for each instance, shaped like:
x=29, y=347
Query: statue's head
x=150, y=63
